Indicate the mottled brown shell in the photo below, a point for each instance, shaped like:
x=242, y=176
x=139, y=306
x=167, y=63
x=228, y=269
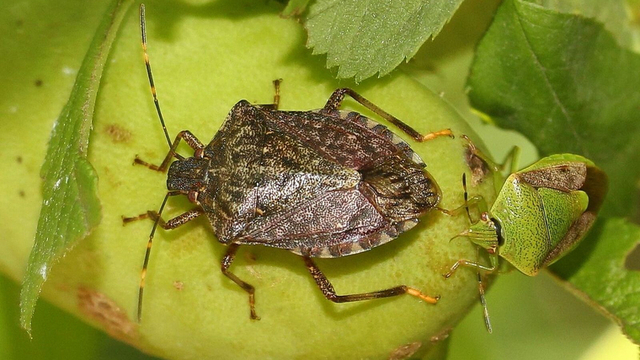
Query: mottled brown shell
x=315, y=183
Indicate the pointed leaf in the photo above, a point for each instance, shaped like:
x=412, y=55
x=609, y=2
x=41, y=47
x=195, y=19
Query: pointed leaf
x=367, y=37
x=70, y=207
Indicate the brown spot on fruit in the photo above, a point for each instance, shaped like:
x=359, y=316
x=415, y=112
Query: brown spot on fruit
x=105, y=311
x=405, y=351
x=117, y=133
x=441, y=335
x=179, y=285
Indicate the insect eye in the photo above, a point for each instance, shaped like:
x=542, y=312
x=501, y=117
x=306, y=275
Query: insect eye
x=193, y=196
x=498, y=227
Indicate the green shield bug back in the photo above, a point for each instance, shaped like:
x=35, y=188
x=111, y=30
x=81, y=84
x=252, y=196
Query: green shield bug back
x=541, y=213
x=556, y=203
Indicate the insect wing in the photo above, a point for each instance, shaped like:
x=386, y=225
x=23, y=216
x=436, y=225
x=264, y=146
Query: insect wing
x=567, y=173
x=563, y=175
x=347, y=138
x=336, y=223
x=393, y=175
x=256, y=170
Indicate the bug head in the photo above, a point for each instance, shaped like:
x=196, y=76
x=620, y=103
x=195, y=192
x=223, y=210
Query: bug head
x=188, y=176
x=485, y=233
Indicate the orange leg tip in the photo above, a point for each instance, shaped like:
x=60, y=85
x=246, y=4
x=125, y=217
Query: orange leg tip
x=435, y=134
x=426, y=298
x=431, y=300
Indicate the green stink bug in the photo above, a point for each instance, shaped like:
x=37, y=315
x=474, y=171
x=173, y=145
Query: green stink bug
x=540, y=214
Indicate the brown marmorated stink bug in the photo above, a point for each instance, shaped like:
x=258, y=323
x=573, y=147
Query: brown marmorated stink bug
x=325, y=183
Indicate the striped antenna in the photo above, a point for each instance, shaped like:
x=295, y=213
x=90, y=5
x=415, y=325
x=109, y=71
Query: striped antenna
x=143, y=30
x=143, y=273
x=147, y=254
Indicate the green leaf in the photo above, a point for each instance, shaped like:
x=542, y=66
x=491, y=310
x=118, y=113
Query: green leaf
x=613, y=14
x=564, y=82
x=367, y=37
x=70, y=207
x=596, y=271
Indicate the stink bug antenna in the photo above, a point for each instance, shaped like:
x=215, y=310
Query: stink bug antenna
x=483, y=300
x=147, y=254
x=466, y=197
x=143, y=30
x=465, y=206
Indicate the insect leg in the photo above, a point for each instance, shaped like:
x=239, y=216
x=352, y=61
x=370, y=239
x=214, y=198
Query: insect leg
x=512, y=157
x=478, y=266
x=476, y=200
x=338, y=95
x=185, y=135
x=276, y=96
x=483, y=302
x=482, y=205
x=226, y=263
x=328, y=291
x=167, y=225
x=171, y=224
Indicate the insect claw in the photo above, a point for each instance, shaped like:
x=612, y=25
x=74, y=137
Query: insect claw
x=452, y=270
